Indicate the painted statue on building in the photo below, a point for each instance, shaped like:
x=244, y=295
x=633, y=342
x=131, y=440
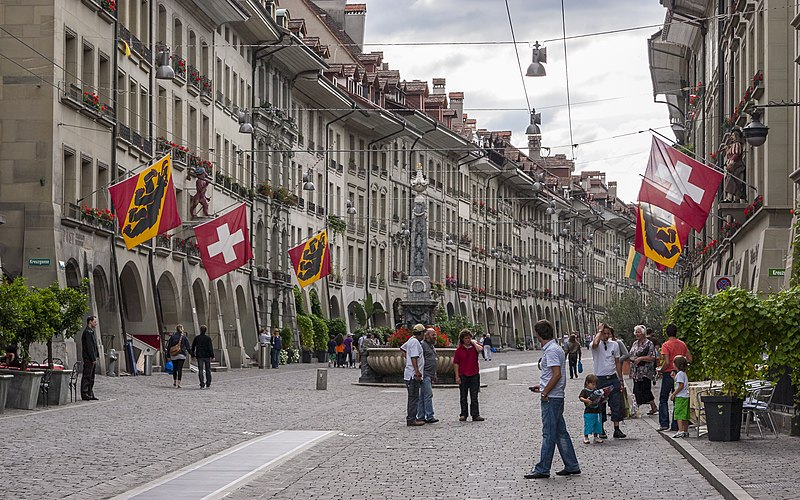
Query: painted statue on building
x=735, y=187
x=199, y=197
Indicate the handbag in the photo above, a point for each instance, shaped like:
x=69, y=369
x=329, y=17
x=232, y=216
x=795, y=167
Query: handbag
x=177, y=348
x=580, y=366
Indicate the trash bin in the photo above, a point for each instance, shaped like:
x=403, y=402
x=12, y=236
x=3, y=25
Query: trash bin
x=111, y=364
x=148, y=364
x=263, y=355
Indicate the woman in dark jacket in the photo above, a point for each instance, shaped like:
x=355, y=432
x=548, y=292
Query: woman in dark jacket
x=573, y=350
x=178, y=355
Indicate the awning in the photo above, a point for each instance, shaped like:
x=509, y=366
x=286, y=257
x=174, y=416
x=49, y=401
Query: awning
x=667, y=66
x=679, y=31
x=223, y=11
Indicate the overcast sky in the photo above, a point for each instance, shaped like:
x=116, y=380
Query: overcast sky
x=609, y=69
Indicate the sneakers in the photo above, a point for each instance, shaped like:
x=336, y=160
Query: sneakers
x=618, y=434
x=597, y=440
x=585, y=440
x=680, y=435
x=415, y=423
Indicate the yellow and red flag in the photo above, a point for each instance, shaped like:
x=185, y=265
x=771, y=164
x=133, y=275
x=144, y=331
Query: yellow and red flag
x=146, y=204
x=660, y=236
x=311, y=259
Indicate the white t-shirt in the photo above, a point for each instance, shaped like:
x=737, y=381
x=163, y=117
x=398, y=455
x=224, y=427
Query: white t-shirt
x=681, y=377
x=604, y=357
x=413, y=349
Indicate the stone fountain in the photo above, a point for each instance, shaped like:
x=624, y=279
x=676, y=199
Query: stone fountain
x=385, y=365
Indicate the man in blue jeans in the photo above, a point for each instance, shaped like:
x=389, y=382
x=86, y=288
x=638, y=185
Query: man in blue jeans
x=425, y=405
x=552, y=382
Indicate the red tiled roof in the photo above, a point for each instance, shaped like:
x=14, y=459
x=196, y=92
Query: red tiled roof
x=456, y=95
x=356, y=8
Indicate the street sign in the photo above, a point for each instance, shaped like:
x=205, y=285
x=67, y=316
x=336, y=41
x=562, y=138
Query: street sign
x=776, y=273
x=722, y=282
x=38, y=262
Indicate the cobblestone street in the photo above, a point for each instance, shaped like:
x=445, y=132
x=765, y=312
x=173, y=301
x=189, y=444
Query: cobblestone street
x=143, y=429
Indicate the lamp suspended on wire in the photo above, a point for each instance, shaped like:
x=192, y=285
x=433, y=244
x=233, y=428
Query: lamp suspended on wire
x=308, y=184
x=536, y=120
x=164, y=71
x=245, y=127
x=539, y=56
x=551, y=208
x=755, y=132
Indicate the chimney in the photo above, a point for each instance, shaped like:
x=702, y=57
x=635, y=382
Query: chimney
x=535, y=146
x=457, y=103
x=612, y=190
x=334, y=8
x=438, y=86
x=355, y=16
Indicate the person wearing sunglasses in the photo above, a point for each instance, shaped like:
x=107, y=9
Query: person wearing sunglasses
x=608, y=368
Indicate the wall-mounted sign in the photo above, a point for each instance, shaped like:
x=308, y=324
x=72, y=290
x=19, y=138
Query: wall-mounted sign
x=776, y=273
x=722, y=282
x=38, y=262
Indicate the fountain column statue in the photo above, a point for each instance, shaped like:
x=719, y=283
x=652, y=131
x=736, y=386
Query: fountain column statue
x=418, y=305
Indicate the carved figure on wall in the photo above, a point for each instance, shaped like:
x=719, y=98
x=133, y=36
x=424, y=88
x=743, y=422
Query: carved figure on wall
x=735, y=187
x=199, y=197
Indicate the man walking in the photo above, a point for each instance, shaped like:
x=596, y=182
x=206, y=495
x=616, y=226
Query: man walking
x=425, y=407
x=552, y=381
x=203, y=351
x=608, y=368
x=669, y=349
x=415, y=365
x=487, y=347
x=89, y=354
x=277, y=345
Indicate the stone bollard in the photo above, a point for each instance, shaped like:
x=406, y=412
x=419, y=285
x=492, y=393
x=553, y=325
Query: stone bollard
x=322, y=379
x=503, y=372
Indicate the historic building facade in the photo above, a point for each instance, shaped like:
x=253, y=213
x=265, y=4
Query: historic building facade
x=336, y=137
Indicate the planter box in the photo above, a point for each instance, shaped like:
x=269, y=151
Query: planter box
x=723, y=417
x=5, y=381
x=305, y=356
x=23, y=390
x=389, y=363
x=322, y=356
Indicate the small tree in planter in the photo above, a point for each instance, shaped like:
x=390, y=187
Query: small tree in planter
x=685, y=313
x=784, y=312
x=320, y=336
x=316, y=305
x=734, y=326
x=286, y=341
x=306, y=337
x=336, y=326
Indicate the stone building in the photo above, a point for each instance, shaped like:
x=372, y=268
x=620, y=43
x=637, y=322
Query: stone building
x=336, y=135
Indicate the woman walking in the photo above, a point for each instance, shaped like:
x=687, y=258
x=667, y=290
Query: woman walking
x=178, y=349
x=643, y=369
x=573, y=351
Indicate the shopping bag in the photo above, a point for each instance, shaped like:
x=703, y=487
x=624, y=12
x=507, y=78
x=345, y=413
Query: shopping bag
x=580, y=366
x=628, y=408
x=168, y=367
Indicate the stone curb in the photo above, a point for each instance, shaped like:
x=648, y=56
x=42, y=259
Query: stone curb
x=727, y=487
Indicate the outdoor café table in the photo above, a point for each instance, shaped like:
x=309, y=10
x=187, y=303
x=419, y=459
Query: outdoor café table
x=696, y=391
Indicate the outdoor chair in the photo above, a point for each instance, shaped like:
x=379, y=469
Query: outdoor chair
x=73, y=382
x=757, y=405
x=44, y=387
x=56, y=361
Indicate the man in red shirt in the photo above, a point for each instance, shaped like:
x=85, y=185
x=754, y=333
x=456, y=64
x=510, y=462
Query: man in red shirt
x=669, y=349
x=468, y=378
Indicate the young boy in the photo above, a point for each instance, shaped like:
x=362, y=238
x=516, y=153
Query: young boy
x=592, y=423
x=681, y=397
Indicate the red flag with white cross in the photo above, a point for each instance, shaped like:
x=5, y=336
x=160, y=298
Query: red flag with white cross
x=679, y=184
x=224, y=242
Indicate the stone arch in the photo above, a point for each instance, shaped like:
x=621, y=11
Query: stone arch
x=260, y=244
x=228, y=316
x=548, y=315
x=132, y=293
x=464, y=309
x=200, y=302
x=105, y=303
x=169, y=300
x=275, y=314
x=72, y=270
x=379, y=317
x=396, y=306
x=491, y=324
x=519, y=327
x=334, y=305
x=246, y=318
x=451, y=311
x=539, y=314
x=352, y=322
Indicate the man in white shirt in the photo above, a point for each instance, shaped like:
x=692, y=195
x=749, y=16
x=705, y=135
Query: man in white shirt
x=415, y=364
x=608, y=368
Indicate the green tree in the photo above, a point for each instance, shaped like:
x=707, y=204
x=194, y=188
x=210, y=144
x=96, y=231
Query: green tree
x=316, y=306
x=685, y=313
x=365, y=310
x=299, y=301
x=783, y=310
x=306, y=332
x=320, y=332
x=624, y=312
x=12, y=301
x=655, y=316
x=286, y=338
x=452, y=327
x=336, y=326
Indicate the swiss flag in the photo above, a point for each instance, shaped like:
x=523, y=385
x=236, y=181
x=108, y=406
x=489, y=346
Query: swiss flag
x=224, y=242
x=679, y=184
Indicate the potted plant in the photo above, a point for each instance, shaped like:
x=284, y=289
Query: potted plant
x=685, y=314
x=320, y=338
x=784, y=312
x=733, y=328
x=287, y=343
x=306, y=337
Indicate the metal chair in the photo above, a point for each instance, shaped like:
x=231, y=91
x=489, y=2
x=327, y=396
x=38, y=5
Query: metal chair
x=757, y=406
x=73, y=382
x=44, y=387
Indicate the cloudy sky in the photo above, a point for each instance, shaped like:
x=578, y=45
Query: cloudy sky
x=610, y=87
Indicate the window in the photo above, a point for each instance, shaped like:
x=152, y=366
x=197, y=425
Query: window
x=192, y=139
x=87, y=181
x=144, y=111
x=133, y=105
x=144, y=11
x=102, y=180
x=87, y=67
x=122, y=98
x=161, y=110
x=70, y=57
x=177, y=120
x=104, y=79
x=70, y=173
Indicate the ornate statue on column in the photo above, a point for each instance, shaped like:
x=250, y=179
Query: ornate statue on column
x=418, y=306
x=735, y=187
x=199, y=198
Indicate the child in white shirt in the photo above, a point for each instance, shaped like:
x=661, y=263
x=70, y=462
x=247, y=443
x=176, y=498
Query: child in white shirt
x=680, y=395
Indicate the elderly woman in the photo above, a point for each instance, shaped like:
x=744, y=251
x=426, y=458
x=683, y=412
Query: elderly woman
x=643, y=368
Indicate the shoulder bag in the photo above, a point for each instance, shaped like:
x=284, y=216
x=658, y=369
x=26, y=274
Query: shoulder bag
x=177, y=348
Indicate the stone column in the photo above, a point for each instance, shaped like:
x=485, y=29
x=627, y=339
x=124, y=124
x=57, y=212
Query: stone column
x=418, y=306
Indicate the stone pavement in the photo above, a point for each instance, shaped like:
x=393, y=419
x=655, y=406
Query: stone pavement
x=143, y=429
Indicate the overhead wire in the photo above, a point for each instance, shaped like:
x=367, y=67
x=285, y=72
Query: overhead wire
x=566, y=74
x=516, y=51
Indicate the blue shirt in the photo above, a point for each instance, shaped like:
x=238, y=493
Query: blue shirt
x=553, y=355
